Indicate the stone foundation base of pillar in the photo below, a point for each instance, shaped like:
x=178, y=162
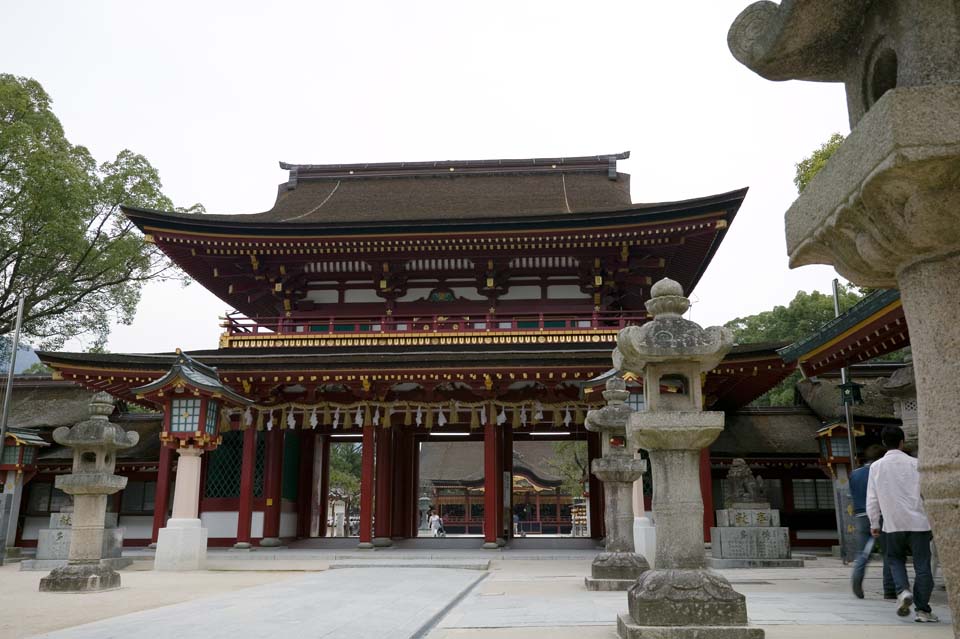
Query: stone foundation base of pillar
x=364, y=545
x=182, y=545
x=718, y=563
x=382, y=542
x=92, y=577
x=608, y=584
x=645, y=539
x=628, y=629
x=616, y=566
x=490, y=545
x=687, y=598
x=270, y=542
x=115, y=563
x=243, y=545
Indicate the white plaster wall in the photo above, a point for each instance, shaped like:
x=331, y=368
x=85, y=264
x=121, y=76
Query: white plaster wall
x=221, y=523
x=468, y=293
x=522, y=293
x=566, y=292
x=136, y=526
x=288, y=525
x=360, y=295
x=323, y=296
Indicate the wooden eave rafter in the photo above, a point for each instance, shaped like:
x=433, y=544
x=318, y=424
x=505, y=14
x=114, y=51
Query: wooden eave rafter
x=877, y=334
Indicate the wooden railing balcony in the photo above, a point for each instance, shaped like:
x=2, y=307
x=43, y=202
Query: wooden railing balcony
x=240, y=331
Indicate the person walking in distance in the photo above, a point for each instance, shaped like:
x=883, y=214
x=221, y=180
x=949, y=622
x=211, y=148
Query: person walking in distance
x=893, y=492
x=858, y=495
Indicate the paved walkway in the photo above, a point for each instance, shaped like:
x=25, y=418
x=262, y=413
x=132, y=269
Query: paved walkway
x=358, y=603
x=519, y=598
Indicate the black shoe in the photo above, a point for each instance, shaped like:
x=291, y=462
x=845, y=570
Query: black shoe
x=857, y=586
x=889, y=595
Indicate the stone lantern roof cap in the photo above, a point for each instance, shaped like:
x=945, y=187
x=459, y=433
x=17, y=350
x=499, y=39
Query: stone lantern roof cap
x=797, y=39
x=187, y=371
x=97, y=431
x=670, y=337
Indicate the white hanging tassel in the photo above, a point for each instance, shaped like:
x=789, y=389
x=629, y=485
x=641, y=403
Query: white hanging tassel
x=358, y=418
x=376, y=417
x=523, y=415
x=419, y=418
x=291, y=420
x=538, y=411
x=247, y=417
x=313, y=419
x=270, y=420
x=441, y=419
x=502, y=417
x=336, y=417
x=567, y=419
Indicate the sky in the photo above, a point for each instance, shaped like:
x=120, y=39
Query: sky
x=216, y=94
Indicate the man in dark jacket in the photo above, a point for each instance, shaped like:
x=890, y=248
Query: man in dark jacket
x=858, y=494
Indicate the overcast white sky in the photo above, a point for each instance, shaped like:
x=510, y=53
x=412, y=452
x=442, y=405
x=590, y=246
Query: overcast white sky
x=214, y=94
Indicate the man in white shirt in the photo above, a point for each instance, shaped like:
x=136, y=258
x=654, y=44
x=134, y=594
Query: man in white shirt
x=893, y=491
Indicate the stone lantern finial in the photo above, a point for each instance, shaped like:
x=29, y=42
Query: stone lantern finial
x=667, y=299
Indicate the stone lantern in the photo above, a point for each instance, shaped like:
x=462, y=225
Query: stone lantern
x=680, y=597
x=618, y=567
x=95, y=443
x=193, y=399
x=902, y=388
x=884, y=210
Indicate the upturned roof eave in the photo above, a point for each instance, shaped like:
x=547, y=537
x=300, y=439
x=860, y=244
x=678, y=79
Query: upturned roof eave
x=248, y=224
x=859, y=312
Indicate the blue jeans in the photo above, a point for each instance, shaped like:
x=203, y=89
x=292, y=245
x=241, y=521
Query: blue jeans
x=862, y=530
x=918, y=542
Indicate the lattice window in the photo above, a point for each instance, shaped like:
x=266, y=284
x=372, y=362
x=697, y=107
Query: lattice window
x=223, y=470
x=259, y=467
x=212, y=411
x=909, y=407
x=185, y=415
x=812, y=494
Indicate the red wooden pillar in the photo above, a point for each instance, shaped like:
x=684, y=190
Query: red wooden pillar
x=305, y=488
x=706, y=490
x=247, y=464
x=500, y=454
x=162, y=495
x=489, y=484
x=273, y=485
x=323, y=497
x=384, y=490
x=404, y=471
x=507, y=508
x=398, y=488
x=595, y=488
x=366, y=487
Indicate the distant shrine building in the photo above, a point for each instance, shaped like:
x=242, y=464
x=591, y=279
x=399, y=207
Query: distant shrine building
x=453, y=318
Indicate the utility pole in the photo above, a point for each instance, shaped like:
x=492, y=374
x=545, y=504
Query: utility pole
x=8, y=393
x=843, y=381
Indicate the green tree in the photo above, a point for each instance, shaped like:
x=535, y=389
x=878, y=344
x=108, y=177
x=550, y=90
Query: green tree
x=345, y=461
x=810, y=166
x=570, y=463
x=65, y=246
x=805, y=314
x=37, y=368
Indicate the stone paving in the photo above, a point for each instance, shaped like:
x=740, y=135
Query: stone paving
x=518, y=598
